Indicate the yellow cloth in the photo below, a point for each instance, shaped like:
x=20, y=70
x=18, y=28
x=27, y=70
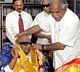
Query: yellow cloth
x=69, y=68
x=72, y=66
x=24, y=63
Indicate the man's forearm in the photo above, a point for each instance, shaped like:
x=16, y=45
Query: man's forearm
x=31, y=30
x=40, y=35
x=53, y=46
x=12, y=63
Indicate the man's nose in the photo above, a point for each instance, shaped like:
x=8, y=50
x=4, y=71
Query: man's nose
x=19, y=6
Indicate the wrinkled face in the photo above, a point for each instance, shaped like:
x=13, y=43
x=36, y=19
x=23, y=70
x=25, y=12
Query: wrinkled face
x=56, y=10
x=25, y=43
x=26, y=47
x=18, y=5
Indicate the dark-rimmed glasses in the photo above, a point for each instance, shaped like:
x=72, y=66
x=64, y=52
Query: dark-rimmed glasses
x=24, y=43
x=45, y=5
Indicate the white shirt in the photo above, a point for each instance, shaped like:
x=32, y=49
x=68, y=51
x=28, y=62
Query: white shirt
x=39, y=19
x=12, y=23
x=66, y=32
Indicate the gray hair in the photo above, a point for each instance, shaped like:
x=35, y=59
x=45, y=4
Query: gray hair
x=64, y=1
x=46, y=1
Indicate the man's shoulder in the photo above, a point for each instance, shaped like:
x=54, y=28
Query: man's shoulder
x=11, y=13
x=26, y=13
x=72, y=15
x=40, y=14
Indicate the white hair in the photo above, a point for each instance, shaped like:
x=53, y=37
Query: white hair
x=64, y=3
x=46, y=1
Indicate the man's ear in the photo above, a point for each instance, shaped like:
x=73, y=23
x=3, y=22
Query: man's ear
x=13, y=6
x=66, y=6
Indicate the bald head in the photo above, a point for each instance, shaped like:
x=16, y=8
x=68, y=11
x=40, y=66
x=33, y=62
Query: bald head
x=61, y=2
x=24, y=39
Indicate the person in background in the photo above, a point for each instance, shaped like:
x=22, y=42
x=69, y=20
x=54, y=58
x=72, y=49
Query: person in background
x=64, y=26
x=17, y=20
x=43, y=37
x=40, y=18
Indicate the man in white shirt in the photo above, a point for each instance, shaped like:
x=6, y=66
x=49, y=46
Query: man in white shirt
x=64, y=33
x=12, y=18
x=43, y=36
x=64, y=27
x=40, y=18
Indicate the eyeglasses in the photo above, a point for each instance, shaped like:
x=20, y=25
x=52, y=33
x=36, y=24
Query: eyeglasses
x=46, y=5
x=24, y=43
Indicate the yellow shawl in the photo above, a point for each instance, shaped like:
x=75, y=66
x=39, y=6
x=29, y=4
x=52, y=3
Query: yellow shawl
x=24, y=63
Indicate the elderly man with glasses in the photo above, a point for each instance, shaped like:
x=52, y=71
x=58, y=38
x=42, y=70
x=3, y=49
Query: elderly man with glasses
x=25, y=58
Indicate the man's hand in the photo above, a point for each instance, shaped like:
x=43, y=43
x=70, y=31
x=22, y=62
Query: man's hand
x=37, y=46
x=15, y=52
x=49, y=38
x=16, y=38
x=19, y=36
